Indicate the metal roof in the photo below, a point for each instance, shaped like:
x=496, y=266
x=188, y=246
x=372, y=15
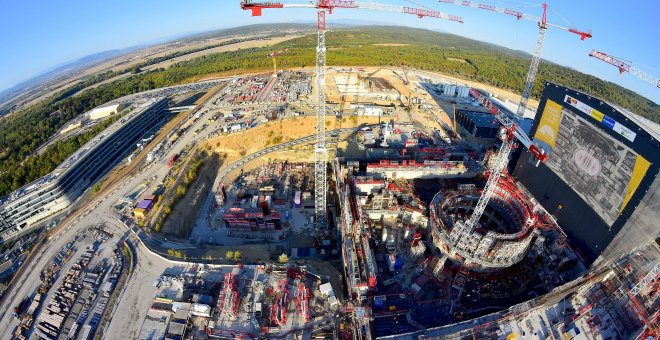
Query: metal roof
x=481, y=119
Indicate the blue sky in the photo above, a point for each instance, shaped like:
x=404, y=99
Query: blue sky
x=37, y=35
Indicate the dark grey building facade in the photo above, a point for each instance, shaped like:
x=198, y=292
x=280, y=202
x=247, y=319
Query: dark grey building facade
x=601, y=177
x=59, y=189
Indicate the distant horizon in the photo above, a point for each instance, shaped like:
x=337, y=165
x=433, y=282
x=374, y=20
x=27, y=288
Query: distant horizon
x=163, y=40
x=53, y=33
x=344, y=23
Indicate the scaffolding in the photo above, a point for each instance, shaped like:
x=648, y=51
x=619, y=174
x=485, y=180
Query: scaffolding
x=229, y=301
x=490, y=245
x=302, y=295
x=278, y=312
x=417, y=247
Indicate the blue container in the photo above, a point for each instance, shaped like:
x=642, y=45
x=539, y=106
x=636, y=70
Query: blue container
x=398, y=264
x=378, y=303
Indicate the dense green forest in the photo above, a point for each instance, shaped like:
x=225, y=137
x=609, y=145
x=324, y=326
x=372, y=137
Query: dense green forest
x=22, y=133
x=39, y=165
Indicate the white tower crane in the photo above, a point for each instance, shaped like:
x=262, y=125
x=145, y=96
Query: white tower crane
x=511, y=128
x=322, y=7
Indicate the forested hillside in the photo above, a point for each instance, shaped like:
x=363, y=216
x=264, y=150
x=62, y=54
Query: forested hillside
x=23, y=132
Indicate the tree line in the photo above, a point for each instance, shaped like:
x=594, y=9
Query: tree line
x=22, y=133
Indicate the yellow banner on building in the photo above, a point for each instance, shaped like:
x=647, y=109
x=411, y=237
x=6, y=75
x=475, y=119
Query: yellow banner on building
x=597, y=115
x=641, y=166
x=549, y=124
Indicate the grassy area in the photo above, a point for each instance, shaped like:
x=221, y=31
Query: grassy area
x=195, y=182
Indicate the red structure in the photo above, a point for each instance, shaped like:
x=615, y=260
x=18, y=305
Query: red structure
x=303, y=302
x=240, y=219
x=368, y=257
x=278, y=311
x=172, y=160
x=229, y=301
x=500, y=239
x=625, y=67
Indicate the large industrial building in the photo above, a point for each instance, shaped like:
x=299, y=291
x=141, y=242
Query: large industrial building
x=477, y=124
x=601, y=177
x=105, y=111
x=59, y=189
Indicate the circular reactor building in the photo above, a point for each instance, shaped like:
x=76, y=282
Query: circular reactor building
x=500, y=239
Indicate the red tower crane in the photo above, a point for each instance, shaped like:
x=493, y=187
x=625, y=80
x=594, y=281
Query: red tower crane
x=403, y=69
x=322, y=7
x=274, y=57
x=625, y=67
x=511, y=130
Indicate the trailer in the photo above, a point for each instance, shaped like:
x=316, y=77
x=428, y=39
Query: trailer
x=172, y=160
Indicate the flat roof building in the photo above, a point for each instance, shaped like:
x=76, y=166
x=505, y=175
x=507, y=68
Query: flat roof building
x=478, y=124
x=59, y=189
x=105, y=111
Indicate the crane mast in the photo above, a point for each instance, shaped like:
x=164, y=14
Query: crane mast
x=324, y=7
x=510, y=130
x=320, y=150
x=625, y=67
x=508, y=144
x=274, y=57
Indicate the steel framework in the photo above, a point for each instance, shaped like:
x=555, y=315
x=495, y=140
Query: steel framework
x=229, y=300
x=651, y=276
x=324, y=7
x=320, y=150
x=508, y=142
x=279, y=309
x=625, y=67
x=302, y=294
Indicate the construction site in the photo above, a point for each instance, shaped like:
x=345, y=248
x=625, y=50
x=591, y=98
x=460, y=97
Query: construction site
x=266, y=202
x=408, y=269
x=435, y=228
x=365, y=203
x=239, y=302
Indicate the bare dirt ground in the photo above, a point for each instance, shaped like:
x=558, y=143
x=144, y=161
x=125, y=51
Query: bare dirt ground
x=386, y=73
x=390, y=44
x=458, y=60
x=330, y=270
x=232, y=47
x=237, y=145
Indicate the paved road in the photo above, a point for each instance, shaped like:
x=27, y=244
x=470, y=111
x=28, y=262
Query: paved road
x=100, y=210
x=148, y=267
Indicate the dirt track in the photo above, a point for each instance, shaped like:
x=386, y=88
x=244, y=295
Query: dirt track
x=255, y=139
